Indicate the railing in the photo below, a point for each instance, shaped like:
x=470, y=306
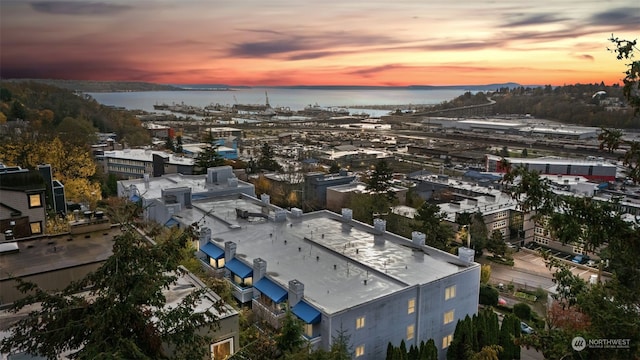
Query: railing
x=267, y=314
x=243, y=294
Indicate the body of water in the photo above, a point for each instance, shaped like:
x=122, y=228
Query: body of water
x=295, y=99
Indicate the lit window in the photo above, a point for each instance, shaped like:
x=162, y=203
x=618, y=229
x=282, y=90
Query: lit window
x=450, y=292
x=446, y=341
x=222, y=349
x=360, y=322
x=360, y=351
x=35, y=200
x=448, y=317
x=410, y=332
x=308, y=330
x=36, y=227
x=411, y=306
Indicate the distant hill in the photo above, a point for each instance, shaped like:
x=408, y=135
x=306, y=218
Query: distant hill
x=101, y=86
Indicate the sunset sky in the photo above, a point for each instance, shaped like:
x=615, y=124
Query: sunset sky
x=305, y=42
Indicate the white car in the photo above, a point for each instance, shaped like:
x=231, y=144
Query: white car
x=526, y=329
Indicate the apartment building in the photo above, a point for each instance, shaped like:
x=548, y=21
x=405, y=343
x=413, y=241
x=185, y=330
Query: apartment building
x=334, y=273
x=23, y=205
x=134, y=163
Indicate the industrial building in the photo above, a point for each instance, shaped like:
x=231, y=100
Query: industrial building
x=598, y=170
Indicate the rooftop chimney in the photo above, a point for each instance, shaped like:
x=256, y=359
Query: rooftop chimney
x=205, y=236
x=347, y=214
x=229, y=250
x=296, y=292
x=466, y=255
x=380, y=225
x=418, y=238
x=266, y=199
x=259, y=269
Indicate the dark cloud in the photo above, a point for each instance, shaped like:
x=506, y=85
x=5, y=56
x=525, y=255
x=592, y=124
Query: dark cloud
x=537, y=19
x=301, y=47
x=370, y=71
x=78, y=8
x=267, y=48
x=617, y=17
x=584, y=57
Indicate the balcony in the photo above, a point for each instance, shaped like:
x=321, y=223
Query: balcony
x=272, y=316
x=211, y=271
x=243, y=294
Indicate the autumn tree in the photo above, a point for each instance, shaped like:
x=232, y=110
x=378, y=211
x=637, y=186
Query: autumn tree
x=118, y=311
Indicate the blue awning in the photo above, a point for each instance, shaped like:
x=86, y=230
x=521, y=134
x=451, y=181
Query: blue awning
x=305, y=312
x=271, y=289
x=237, y=267
x=212, y=251
x=171, y=222
x=134, y=198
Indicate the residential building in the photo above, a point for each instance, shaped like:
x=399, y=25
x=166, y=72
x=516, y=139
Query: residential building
x=316, y=185
x=134, y=163
x=339, y=196
x=52, y=262
x=334, y=273
x=163, y=197
x=23, y=204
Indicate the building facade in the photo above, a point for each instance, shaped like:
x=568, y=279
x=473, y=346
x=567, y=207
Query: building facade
x=334, y=273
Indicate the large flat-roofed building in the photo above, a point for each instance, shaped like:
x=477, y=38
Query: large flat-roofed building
x=134, y=163
x=335, y=274
x=590, y=169
x=164, y=196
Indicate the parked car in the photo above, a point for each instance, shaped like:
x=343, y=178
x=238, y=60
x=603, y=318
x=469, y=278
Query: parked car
x=580, y=259
x=526, y=329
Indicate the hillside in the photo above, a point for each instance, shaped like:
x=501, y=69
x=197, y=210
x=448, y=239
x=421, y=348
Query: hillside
x=100, y=86
x=581, y=104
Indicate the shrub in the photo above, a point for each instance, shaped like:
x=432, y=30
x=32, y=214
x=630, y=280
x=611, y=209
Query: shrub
x=488, y=295
x=522, y=310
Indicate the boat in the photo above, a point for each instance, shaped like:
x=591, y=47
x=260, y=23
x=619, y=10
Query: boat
x=162, y=106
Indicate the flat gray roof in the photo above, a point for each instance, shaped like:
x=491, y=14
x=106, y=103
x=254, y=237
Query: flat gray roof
x=197, y=183
x=48, y=253
x=331, y=258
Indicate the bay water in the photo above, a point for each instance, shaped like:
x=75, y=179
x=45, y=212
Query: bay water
x=294, y=99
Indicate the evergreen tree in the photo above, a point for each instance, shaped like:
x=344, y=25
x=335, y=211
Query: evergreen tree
x=169, y=145
x=122, y=315
x=340, y=345
x=431, y=223
x=208, y=157
x=462, y=344
x=509, y=330
x=179, y=148
x=290, y=338
x=430, y=351
x=267, y=161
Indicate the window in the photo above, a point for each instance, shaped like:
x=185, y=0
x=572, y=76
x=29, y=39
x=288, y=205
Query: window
x=410, y=332
x=360, y=322
x=36, y=227
x=360, y=351
x=448, y=317
x=450, y=292
x=308, y=330
x=222, y=349
x=446, y=341
x=411, y=308
x=35, y=200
